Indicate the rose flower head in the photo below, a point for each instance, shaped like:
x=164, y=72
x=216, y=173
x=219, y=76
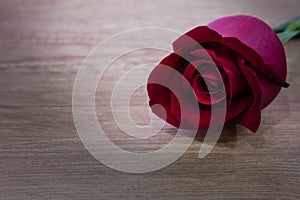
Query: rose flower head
x=236, y=61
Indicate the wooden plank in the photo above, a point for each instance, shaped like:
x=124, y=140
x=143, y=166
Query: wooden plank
x=43, y=44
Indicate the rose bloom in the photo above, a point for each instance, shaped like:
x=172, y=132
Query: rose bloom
x=237, y=59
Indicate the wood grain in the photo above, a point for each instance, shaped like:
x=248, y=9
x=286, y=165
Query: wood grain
x=43, y=44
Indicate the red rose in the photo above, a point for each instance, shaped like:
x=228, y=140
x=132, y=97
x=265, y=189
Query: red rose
x=250, y=62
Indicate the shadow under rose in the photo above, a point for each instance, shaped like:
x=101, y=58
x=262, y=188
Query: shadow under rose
x=228, y=134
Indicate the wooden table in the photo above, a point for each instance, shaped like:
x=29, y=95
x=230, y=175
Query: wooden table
x=43, y=44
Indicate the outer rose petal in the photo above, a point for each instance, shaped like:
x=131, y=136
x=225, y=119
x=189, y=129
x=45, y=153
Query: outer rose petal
x=159, y=94
x=251, y=117
x=258, y=36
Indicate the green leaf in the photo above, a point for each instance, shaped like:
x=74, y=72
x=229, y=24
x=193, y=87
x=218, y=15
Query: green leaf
x=293, y=25
x=287, y=35
x=284, y=26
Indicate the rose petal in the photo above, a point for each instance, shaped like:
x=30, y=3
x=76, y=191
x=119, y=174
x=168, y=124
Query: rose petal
x=252, y=115
x=159, y=94
x=211, y=79
x=204, y=54
x=186, y=112
x=195, y=68
x=225, y=58
x=214, y=94
x=269, y=91
x=257, y=35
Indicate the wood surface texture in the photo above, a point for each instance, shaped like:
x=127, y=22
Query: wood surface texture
x=42, y=45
